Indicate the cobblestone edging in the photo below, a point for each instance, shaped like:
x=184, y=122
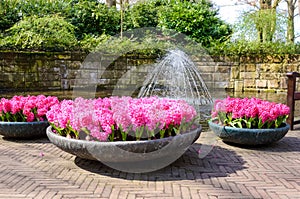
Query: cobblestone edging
x=61, y=70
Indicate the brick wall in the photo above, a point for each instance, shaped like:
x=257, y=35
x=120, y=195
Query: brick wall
x=66, y=70
x=257, y=73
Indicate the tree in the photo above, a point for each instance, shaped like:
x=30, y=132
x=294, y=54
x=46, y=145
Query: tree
x=265, y=19
x=264, y=5
x=111, y=3
x=263, y=16
x=198, y=20
x=291, y=5
x=122, y=4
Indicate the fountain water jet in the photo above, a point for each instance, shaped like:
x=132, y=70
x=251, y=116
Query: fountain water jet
x=176, y=76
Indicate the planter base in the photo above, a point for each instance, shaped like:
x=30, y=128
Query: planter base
x=129, y=156
x=23, y=130
x=249, y=137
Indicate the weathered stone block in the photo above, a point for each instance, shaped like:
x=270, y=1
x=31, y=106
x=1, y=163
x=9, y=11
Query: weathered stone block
x=241, y=67
x=269, y=76
x=261, y=83
x=291, y=67
x=231, y=85
x=63, y=56
x=222, y=69
x=250, y=67
x=235, y=73
x=220, y=77
x=283, y=83
x=276, y=67
x=273, y=83
x=31, y=77
x=238, y=85
x=223, y=85
x=249, y=83
x=271, y=67
x=206, y=69
x=249, y=75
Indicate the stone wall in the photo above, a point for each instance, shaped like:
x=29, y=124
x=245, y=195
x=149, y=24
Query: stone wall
x=38, y=70
x=257, y=73
x=67, y=70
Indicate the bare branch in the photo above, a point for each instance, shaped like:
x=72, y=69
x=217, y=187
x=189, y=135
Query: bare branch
x=275, y=3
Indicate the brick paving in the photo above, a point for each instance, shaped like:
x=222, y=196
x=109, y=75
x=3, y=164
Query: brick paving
x=38, y=169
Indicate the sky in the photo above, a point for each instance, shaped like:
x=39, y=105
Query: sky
x=230, y=12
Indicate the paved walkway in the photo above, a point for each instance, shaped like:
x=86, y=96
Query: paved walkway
x=37, y=169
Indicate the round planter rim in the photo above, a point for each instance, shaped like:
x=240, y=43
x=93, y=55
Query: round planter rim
x=49, y=131
x=35, y=122
x=250, y=130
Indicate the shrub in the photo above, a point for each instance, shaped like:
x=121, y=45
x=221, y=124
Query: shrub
x=45, y=33
x=9, y=14
x=12, y=11
x=93, y=18
x=195, y=19
x=143, y=14
x=91, y=42
x=246, y=48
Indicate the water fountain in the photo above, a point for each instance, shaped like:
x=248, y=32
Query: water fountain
x=176, y=76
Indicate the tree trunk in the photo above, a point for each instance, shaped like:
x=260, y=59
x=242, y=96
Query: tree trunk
x=267, y=20
x=121, y=16
x=299, y=6
x=111, y=3
x=291, y=24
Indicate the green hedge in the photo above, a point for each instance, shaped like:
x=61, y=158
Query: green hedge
x=245, y=48
x=51, y=32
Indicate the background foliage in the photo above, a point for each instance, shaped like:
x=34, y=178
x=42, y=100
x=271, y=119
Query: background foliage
x=41, y=33
x=93, y=18
x=84, y=24
x=196, y=20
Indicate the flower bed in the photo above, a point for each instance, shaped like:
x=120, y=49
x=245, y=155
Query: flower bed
x=26, y=108
x=252, y=113
x=249, y=121
x=121, y=118
x=25, y=117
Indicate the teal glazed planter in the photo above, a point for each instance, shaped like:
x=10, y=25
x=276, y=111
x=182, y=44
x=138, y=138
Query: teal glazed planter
x=249, y=137
x=23, y=130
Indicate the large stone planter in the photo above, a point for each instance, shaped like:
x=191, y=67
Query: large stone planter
x=245, y=136
x=129, y=156
x=23, y=130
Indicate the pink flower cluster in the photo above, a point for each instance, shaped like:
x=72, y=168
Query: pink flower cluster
x=101, y=117
x=29, y=108
x=262, y=110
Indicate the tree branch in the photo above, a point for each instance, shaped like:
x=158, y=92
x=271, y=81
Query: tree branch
x=275, y=3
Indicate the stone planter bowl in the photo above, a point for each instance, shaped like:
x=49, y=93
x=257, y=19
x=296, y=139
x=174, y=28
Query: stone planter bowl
x=129, y=156
x=245, y=136
x=23, y=130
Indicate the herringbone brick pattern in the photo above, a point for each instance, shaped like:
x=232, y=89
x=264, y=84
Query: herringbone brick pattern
x=37, y=169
